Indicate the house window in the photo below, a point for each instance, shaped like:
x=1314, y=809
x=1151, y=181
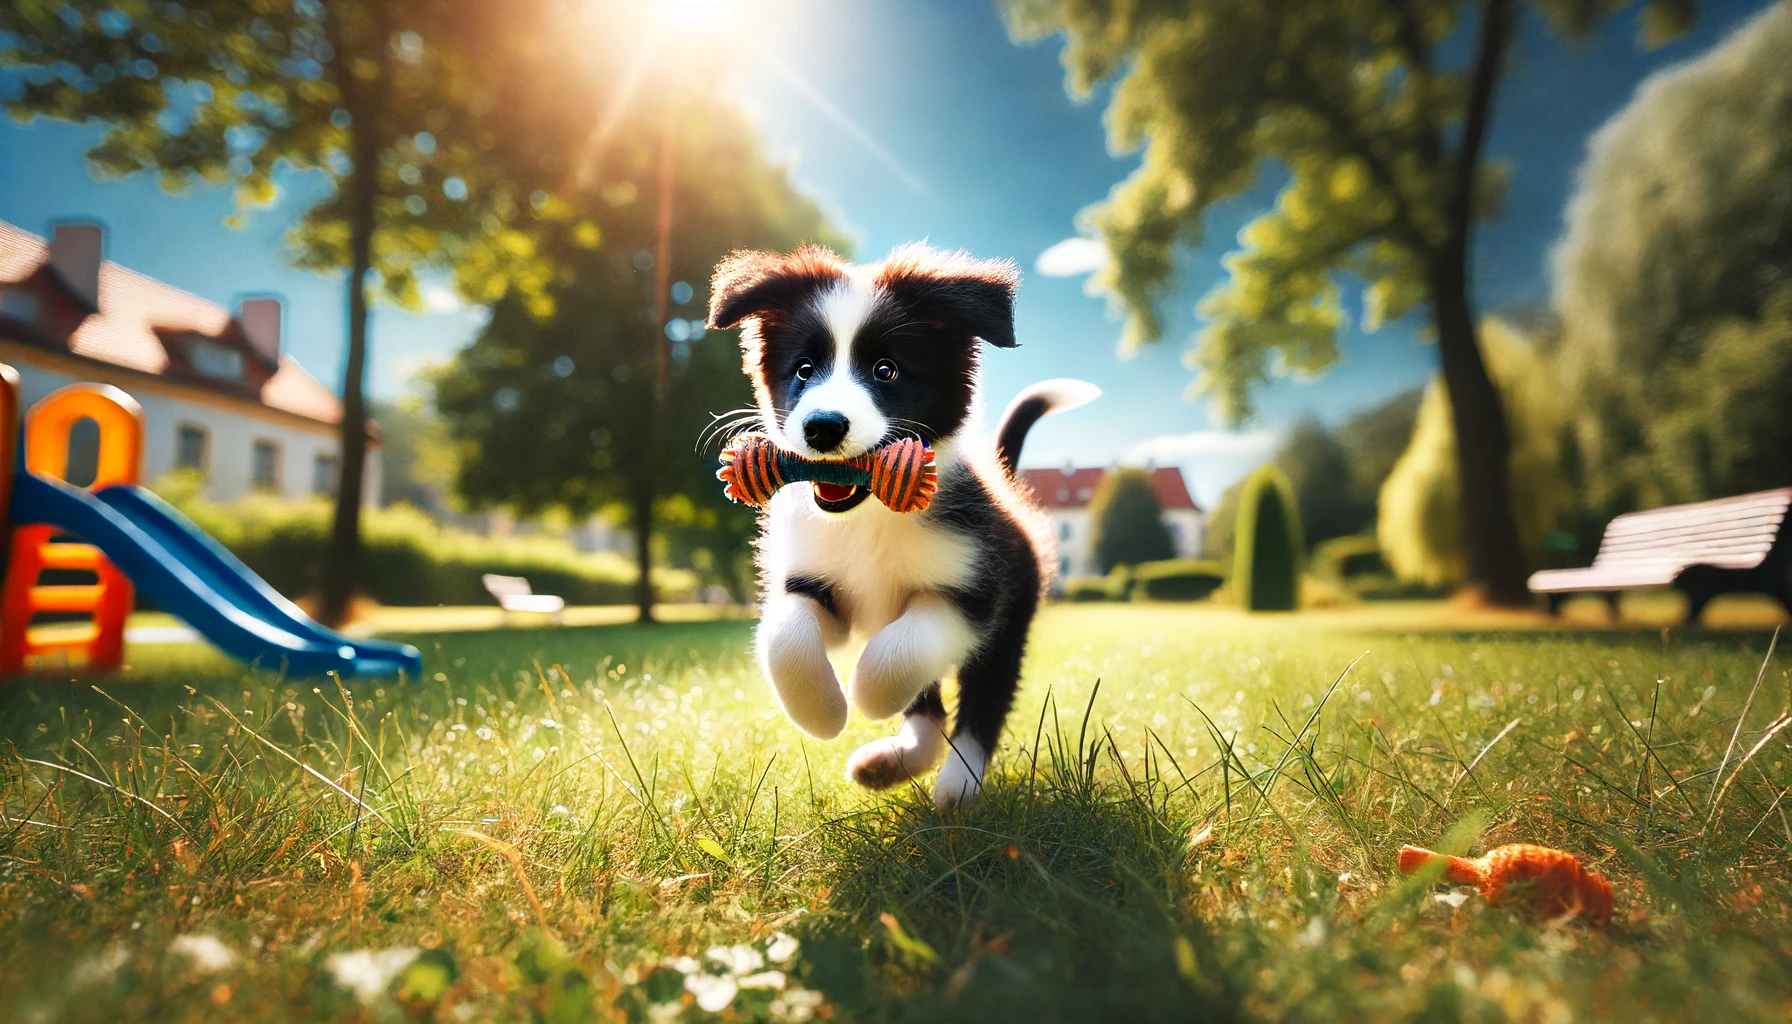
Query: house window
x=191, y=447
x=215, y=360
x=264, y=465
x=323, y=475
x=1063, y=531
x=18, y=305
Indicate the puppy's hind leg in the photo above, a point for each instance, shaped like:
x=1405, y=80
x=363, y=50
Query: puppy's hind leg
x=792, y=647
x=986, y=685
x=914, y=750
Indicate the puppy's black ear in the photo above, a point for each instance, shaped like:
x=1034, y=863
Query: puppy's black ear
x=750, y=284
x=955, y=290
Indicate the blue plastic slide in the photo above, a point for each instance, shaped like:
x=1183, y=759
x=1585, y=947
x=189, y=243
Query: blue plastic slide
x=187, y=573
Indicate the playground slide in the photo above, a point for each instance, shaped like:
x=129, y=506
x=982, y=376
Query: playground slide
x=188, y=574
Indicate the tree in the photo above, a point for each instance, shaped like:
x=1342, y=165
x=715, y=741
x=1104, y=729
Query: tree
x=1384, y=147
x=403, y=106
x=1267, y=565
x=1674, y=281
x=1336, y=476
x=1318, y=468
x=1420, y=525
x=562, y=411
x=1128, y=520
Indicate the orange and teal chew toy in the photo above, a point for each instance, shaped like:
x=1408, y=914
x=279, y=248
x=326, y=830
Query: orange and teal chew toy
x=899, y=474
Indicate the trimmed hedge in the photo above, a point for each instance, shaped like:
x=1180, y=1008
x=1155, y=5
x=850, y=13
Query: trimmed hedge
x=407, y=559
x=1177, y=579
x=1115, y=586
x=1268, y=552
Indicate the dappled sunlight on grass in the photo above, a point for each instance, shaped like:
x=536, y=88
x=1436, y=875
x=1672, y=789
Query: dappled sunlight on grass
x=1192, y=814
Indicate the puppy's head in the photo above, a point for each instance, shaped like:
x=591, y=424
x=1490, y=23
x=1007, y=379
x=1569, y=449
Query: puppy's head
x=843, y=357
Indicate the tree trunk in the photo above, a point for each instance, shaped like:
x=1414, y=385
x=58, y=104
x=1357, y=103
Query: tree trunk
x=1483, y=445
x=342, y=572
x=642, y=514
x=1483, y=442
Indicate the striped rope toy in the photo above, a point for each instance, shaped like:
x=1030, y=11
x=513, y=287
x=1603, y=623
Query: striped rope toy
x=899, y=474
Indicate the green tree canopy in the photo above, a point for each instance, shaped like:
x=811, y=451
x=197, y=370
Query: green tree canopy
x=560, y=411
x=427, y=117
x=1674, y=281
x=1420, y=524
x=1381, y=132
x=1128, y=520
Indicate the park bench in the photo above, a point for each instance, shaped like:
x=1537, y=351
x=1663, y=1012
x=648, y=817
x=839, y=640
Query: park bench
x=514, y=595
x=1702, y=550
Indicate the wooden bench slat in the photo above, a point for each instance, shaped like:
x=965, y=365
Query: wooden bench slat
x=1767, y=521
x=1652, y=548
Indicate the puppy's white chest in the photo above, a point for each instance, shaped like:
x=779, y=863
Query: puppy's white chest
x=876, y=560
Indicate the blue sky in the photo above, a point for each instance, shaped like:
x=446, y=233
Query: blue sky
x=973, y=144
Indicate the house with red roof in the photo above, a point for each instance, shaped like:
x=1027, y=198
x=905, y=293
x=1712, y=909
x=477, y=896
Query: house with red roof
x=1065, y=494
x=219, y=395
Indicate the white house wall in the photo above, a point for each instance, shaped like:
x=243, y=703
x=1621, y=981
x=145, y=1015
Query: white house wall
x=231, y=439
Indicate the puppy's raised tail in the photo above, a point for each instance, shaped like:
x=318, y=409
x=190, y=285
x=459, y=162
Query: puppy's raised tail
x=1042, y=399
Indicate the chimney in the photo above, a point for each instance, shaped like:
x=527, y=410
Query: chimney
x=261, y=325
x=75, y=256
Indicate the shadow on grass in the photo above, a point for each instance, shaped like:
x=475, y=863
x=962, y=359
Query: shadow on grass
x=1061, y=895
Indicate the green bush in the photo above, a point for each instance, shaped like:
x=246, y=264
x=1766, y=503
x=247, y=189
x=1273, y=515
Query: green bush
x=1115, y=586
x=1129, y=521
x=1267, y=561
x=1177, y=579
x=1344, y=559
x=406, y=558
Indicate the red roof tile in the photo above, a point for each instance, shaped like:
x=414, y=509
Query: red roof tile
x=1073, y=488
x=135, y=314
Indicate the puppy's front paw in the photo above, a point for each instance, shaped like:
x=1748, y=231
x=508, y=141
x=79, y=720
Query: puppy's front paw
x=961, y=777
x=795, y=659
x=898, y=663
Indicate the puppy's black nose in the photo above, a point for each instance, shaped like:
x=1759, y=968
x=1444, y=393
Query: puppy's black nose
x=825, y=430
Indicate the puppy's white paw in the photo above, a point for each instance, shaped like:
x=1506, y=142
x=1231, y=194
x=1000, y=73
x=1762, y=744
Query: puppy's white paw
x=907, y=656
x=914, y=749
x=961, y=777
x=794, y=656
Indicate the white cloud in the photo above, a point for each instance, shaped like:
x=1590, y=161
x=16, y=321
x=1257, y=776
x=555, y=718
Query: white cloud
x=1072, y=257
x=440, y=299
x=1196, y=444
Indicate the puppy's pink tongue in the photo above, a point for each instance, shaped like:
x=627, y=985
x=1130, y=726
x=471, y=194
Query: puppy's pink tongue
x=833, y=492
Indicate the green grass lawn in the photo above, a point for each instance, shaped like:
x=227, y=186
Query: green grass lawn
x=615, y=822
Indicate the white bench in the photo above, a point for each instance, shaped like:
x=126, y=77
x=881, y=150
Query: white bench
x=514, y=595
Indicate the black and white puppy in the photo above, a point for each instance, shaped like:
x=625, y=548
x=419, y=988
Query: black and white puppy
x=844, y=358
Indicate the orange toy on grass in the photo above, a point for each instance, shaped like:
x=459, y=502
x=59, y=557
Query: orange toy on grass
x=1552, y=882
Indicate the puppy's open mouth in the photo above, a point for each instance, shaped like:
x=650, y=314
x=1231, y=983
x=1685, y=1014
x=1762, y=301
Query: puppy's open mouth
x=839, y=498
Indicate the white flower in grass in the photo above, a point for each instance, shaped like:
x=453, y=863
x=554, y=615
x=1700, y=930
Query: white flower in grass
x=713, y=991
x=798, y=1004
x=684, y=964
x=781, y=948
x=738, y=959
x=764, y=979
x=1455, y=897
x=368, y=973
x=206, y=952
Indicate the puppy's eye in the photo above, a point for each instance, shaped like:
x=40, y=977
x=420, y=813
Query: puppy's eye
x=885, y=370
x=804, y=370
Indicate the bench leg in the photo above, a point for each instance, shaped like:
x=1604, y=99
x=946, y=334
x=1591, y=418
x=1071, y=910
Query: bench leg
x=1611, y=602
x=1697, y=597
x=1555, y=602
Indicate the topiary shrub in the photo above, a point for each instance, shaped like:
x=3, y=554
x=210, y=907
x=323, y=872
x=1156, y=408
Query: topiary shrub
x=1268, y=553
x=1177, y=579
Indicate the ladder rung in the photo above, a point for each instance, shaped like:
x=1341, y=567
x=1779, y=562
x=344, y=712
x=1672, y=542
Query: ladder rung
x=66, y=598
x=69, y=556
